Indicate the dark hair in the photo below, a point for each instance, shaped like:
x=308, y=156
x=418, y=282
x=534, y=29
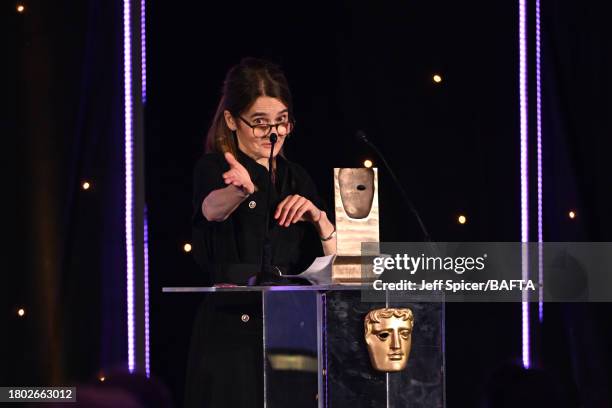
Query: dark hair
x=243, y=84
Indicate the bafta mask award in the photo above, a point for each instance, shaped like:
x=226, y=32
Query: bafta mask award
x=356, y=209
x=388, y=335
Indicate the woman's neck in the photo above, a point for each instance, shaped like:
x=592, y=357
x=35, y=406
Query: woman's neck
x=264, y=162
x=261, y=160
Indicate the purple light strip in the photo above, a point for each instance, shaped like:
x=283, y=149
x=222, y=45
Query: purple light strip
x=146, y=293
x=129, y=185
x=324, y=298
x=539, y=154
x=143, y=68
x=524, y=181
x=143, y=50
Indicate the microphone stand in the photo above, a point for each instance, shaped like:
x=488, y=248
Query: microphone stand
x=265, y=274
x=362, y=137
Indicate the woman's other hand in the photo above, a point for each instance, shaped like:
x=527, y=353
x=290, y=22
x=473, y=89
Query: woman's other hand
x=238, y=175
x=296, y=208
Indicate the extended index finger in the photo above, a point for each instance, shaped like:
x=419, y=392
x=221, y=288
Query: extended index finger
x=231, y=160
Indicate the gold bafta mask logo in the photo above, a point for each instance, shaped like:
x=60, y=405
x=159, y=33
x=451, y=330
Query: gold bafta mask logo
x=388, y=334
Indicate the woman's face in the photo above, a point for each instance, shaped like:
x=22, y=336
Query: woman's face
x=265, y=110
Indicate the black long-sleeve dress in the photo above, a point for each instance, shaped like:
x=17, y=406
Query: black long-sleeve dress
x=225, y=367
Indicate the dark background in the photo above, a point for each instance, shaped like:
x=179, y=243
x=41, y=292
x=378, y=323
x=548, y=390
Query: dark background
x=454, y=146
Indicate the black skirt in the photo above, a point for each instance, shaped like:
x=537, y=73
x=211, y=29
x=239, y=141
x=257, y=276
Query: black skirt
x=225, y=367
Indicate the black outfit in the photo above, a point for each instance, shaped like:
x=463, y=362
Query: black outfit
x=226, y=359
x=230, y=251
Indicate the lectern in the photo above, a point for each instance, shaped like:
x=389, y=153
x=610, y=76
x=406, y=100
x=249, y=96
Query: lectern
x=317, y=352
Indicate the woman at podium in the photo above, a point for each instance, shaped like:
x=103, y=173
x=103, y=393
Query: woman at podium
x=237, y=188
x=231, y=183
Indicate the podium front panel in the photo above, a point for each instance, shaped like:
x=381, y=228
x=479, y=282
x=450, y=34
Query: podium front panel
x=291, y=348
x=313, y=342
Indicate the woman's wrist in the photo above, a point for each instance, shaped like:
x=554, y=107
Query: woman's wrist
x=241, y=190
x=324, y=227
x=249, y=188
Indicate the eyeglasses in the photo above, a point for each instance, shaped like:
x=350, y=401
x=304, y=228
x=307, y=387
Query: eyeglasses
x=263, y=129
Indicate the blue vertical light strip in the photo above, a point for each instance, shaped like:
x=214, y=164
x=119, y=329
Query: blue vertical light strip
x=539, y=159
x=143, y=49
x=525, y=341
x=129, y=180
x=146, y=292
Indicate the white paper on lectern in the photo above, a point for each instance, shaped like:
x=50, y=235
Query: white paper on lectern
x=319, y=272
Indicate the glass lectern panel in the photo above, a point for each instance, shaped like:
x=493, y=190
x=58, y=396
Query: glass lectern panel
x=291, y=344
x=318, y=348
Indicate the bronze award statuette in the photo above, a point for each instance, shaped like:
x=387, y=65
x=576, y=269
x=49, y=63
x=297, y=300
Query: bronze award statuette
x=388, y=335
x=357, y=219
x=356, y=191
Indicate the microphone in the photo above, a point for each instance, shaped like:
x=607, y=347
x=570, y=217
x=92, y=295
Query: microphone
x=362, y=137
x=265, y=274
